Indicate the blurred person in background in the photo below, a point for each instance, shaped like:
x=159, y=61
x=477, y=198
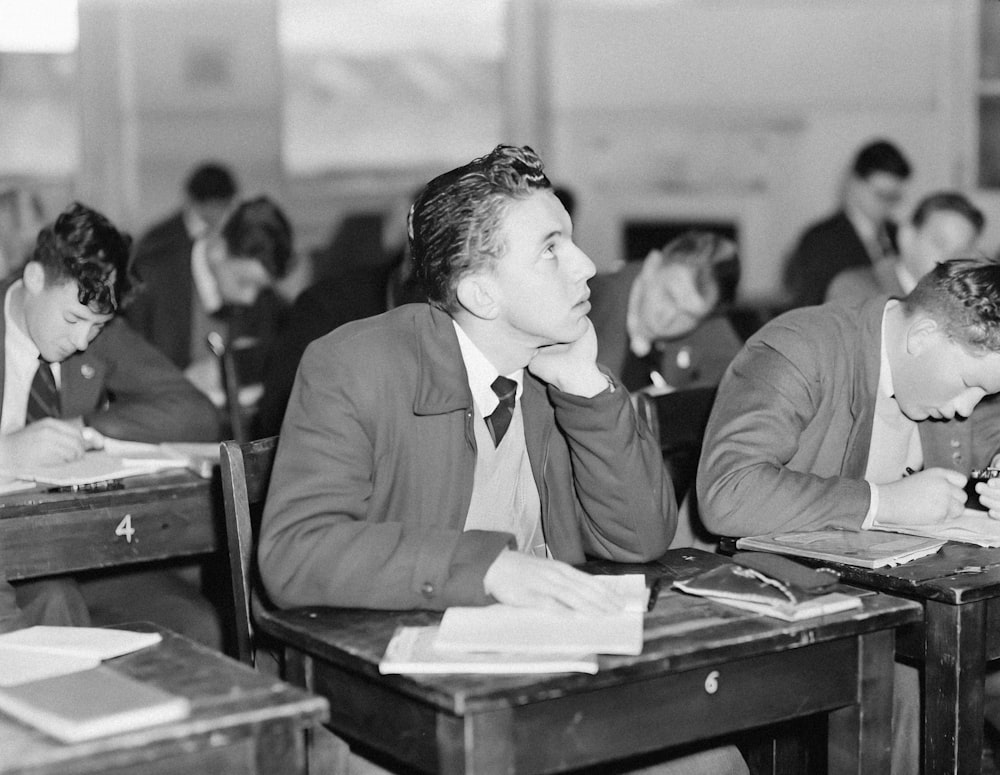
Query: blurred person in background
x=658, y=320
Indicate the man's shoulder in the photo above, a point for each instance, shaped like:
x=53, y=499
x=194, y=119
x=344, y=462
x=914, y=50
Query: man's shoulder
x=813, y=329
x=381, y=337
x=168, y=232
x=835, y=223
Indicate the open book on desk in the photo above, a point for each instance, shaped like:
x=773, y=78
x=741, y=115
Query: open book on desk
x=863, y=548
x=122, y=459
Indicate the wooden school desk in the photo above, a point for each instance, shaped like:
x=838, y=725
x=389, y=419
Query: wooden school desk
x=960, y=633
x=241, y=722
x=705, y=670
x=159, y=516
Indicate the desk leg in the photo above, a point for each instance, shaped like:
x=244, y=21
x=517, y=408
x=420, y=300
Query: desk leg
x=954, y=668
x=480, y=743
x=860, y=736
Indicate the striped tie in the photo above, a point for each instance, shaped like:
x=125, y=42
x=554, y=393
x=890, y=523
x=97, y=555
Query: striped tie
x=498, y=421
x=43, y=400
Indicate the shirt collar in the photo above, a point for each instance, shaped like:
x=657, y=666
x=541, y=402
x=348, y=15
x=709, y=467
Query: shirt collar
x=18, y=339
x=482, y=373
x=885, y=386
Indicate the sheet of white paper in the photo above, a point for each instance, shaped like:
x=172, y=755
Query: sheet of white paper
x=86, y=642
x=509, y=629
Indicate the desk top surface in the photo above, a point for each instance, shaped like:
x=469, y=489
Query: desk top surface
x=682, y=632
x=148, y=487
x=224, y=694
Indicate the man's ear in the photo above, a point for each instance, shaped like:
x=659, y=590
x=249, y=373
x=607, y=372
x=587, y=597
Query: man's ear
x=921, y=334
x=478, y=294
x=34, y=277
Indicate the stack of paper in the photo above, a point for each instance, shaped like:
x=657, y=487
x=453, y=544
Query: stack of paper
x=510, y=639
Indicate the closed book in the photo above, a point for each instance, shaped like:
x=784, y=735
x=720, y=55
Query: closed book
x=91, y=703
x=412, y=650
x=862, y=548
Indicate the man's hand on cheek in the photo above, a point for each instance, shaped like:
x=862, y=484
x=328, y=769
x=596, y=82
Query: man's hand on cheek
x=571, y=367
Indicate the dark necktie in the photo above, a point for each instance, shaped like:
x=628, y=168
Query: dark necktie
x=500, y=419
x=43, y=399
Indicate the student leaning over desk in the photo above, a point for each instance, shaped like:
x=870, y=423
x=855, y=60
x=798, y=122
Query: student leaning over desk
x=60, y=315
x=468, y=450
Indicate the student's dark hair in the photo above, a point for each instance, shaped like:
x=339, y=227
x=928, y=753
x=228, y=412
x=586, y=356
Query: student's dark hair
x=567, y=197
x=259, y=229
x=963, y=297
x=948, y=201
x=881, y=156
x=455, y=224
x=84, y=246
x=211, y=181
x=714, y=258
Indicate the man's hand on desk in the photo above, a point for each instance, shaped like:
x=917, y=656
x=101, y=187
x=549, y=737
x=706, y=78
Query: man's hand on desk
x=43, y=442
x=522, y=580
x=923, y=498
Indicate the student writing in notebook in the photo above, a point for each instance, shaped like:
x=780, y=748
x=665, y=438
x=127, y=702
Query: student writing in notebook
x=468, y=450
x=853, y=412
x=71, y=367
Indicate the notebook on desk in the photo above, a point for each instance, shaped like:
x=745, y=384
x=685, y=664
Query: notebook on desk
x=91, y=703
x=863, y=548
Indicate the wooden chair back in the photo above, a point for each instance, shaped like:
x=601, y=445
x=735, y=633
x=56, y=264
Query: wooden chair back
x=678, y=419
x=241, y=367
x=246, y=472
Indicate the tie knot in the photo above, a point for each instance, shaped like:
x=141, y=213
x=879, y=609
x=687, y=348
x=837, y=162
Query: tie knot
x=504, y=388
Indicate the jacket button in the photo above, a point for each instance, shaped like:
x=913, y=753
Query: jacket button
x=427, y=590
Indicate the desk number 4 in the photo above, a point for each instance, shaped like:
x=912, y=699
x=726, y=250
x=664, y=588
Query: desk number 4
x=125, y=528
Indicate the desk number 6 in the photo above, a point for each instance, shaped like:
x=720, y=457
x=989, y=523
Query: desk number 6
x=125, y=528
x=712, y=682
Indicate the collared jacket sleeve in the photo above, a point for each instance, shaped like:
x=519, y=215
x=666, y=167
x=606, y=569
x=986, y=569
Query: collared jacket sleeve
x=127, y=389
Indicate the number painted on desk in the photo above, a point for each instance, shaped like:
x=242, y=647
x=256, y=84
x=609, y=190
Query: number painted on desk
x=125, y=528
x=712, y=682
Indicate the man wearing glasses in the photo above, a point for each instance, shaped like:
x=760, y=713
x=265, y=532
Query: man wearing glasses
x=861, y=233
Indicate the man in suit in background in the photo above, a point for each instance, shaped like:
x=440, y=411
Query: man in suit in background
x=171, y=261
x=944, y=225
x=72, y=373
x=858, y=234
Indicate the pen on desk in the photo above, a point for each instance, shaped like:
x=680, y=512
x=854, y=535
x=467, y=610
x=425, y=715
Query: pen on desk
x=657, y=379
x=102, y=486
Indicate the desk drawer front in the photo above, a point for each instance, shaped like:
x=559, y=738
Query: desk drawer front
x=587, y=727
x=81, y=539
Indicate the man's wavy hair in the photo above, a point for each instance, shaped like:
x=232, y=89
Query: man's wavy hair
x=963, y=297
x=84, y=246
x=455, y=224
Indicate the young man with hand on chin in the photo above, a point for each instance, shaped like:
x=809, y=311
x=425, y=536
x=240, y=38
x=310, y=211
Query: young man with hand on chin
x=469, y=450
